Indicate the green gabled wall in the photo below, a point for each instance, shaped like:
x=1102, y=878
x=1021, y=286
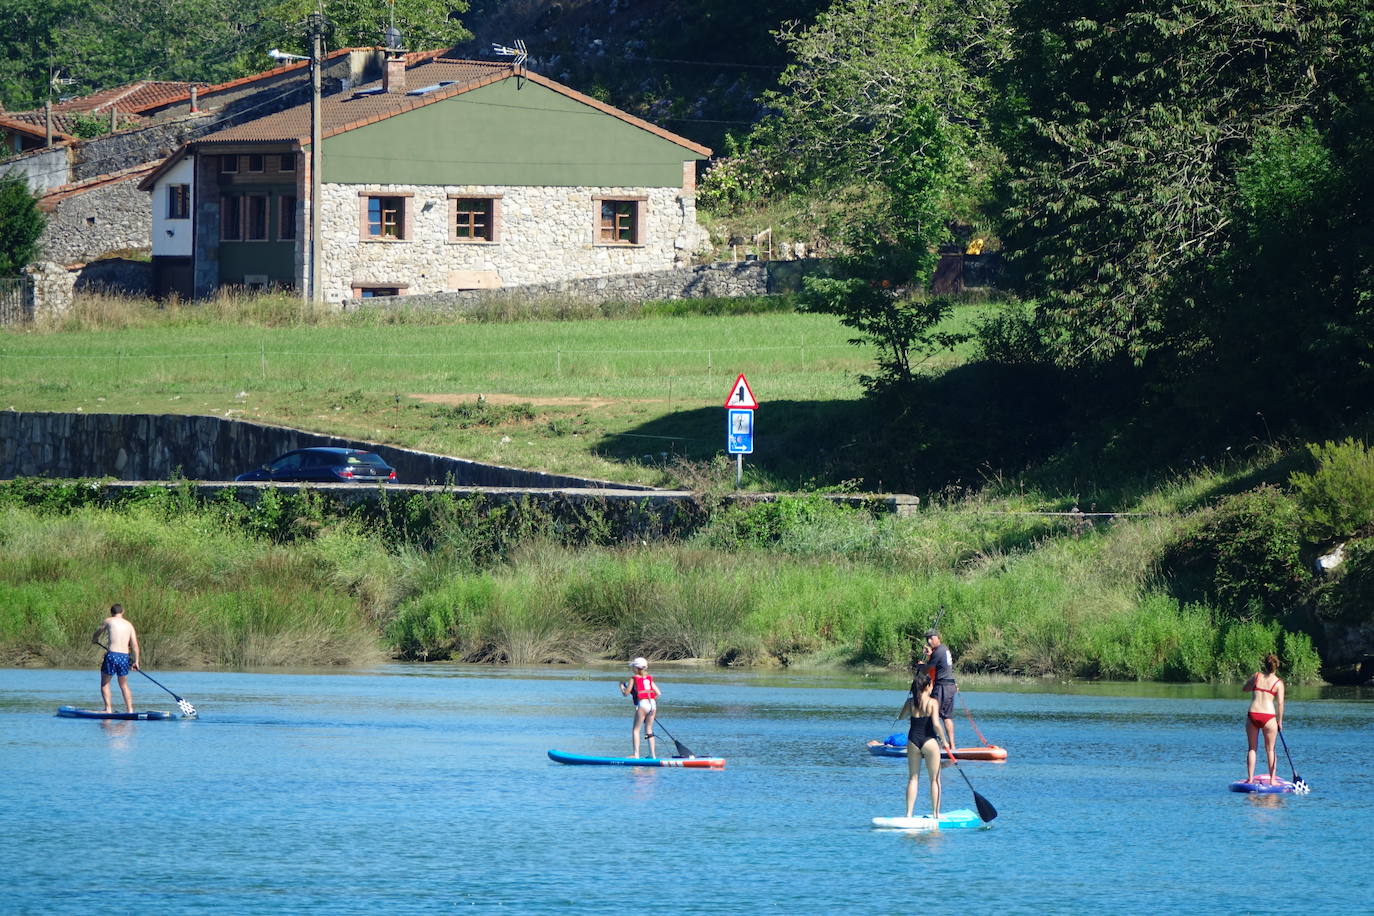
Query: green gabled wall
x=515, y=132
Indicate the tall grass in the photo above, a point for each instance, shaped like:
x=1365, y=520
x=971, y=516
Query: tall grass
x=772, y=583
x=198, y=593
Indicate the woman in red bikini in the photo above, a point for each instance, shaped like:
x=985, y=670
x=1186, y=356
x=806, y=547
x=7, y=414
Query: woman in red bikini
x=1265, y=715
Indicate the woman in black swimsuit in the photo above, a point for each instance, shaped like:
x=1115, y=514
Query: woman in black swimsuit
x=923, y=741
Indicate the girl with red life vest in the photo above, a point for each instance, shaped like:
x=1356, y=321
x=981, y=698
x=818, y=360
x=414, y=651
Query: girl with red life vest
x=644, y=693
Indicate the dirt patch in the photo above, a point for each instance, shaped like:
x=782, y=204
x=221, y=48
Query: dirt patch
x=513, y=399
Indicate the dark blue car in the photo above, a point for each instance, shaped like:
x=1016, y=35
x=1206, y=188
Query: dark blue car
x=325, y=465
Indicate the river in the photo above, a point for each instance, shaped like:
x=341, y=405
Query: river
x=421, y=789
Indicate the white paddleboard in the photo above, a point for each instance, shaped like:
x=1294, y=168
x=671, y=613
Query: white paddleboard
x=948, y=821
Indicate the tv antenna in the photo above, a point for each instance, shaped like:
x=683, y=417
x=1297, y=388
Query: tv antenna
x=393, y=34
x=518, y=52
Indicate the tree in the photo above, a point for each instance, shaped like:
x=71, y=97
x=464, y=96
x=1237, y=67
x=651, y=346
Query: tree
x=888, y=96
x=20, y=225
x=891, y=94
x=423, y=24
x=1134, y=117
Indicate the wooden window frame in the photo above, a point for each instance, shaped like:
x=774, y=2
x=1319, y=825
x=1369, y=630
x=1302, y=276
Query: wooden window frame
x=403, y=223
x=493, y=216
x=249, y=201
x=286, y=218
x=178, y=201
x=286, y=162
x=640, y=202
x=229, y=165
x=359, y=286
x=231, y=204
x=261, y=162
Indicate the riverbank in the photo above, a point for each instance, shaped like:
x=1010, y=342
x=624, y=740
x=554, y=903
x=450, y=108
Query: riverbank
x=774, y=584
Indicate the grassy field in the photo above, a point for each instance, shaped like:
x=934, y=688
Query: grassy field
x=619, y=399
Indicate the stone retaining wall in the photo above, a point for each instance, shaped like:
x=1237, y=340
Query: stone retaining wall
x=135, y=447
x=724, y=279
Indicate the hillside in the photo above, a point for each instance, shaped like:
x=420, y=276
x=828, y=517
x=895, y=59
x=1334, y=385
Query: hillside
x=693, y=67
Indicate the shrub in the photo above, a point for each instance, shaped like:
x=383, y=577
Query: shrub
x=1245, y=555
x=1301, y=663
x=1336, y=500
x=1243, y=647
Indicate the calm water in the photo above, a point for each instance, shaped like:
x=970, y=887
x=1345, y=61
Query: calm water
x=426, y=789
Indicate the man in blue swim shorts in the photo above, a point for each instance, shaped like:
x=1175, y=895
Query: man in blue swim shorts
x=121, y=654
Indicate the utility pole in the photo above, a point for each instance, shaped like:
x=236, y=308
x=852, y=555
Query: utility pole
x=317, y=26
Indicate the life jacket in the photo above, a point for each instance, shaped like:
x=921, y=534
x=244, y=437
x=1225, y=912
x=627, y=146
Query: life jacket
x=642, y=687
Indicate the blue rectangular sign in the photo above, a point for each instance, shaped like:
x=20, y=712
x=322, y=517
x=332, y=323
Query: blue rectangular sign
x=739, y=432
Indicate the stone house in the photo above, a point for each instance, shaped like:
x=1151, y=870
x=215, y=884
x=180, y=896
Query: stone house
x=445, y=174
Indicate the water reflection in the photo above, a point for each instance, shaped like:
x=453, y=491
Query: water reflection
x=119, y=731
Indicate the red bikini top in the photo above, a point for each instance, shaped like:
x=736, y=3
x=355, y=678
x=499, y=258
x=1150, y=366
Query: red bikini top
x=1272, y=693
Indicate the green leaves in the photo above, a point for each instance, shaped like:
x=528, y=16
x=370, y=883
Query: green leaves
x=20, y=225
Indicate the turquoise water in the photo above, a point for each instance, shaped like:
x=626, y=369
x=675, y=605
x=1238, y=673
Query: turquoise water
x=418, y=789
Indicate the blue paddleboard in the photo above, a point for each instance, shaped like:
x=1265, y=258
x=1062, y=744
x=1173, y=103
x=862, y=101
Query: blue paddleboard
x=71, y=712
x=950, y=820
x=1262, y=786
x=686, y=763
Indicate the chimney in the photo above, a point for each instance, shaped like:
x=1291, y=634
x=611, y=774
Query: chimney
x=394, y=72
x=195, y=93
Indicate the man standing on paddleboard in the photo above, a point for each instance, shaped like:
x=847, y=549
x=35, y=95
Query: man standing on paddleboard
x=121, y=654
x=938, y=657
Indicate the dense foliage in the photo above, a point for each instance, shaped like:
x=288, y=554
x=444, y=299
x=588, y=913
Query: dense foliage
x=100, y=44
x=20, y=225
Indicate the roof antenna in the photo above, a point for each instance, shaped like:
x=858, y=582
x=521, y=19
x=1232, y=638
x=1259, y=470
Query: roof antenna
x=518, y=52
x=393, y=34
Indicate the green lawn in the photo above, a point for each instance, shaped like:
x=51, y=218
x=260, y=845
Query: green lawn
x=607, y=398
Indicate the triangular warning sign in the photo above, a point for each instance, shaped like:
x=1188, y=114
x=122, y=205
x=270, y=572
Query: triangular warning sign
x=741, y=396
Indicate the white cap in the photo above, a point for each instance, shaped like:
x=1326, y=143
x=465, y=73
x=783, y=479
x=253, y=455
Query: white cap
x=639, y=662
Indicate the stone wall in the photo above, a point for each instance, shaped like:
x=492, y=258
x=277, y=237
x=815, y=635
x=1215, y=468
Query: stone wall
x=724, y=279
x=107, y=217
x=545, y=234
x=165, y=446
x=127, y=148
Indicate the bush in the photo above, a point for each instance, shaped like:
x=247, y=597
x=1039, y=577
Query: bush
x=1300, y=660
x=1336, y=500
x=1245, y=556
x=1243, y=647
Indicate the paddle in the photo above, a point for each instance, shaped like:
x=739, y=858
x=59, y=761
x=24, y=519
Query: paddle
x=186, y=708
x=1299, y=784
x=682, y=749
x=985, y=809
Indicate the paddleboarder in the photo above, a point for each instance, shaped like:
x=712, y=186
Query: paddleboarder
x=644, y=693
x=943, y=685
x=121, y=655
x=923, y=741
x=1265, y=715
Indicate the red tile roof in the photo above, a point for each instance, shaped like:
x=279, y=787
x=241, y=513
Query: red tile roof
x=131, y=99
x=48, y=200
x=21, y=122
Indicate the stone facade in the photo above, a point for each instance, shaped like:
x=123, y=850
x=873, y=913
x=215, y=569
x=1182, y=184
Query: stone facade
x=544, y=234
x=86, y=225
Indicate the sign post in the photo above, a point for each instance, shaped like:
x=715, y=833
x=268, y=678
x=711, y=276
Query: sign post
x=739, y=424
